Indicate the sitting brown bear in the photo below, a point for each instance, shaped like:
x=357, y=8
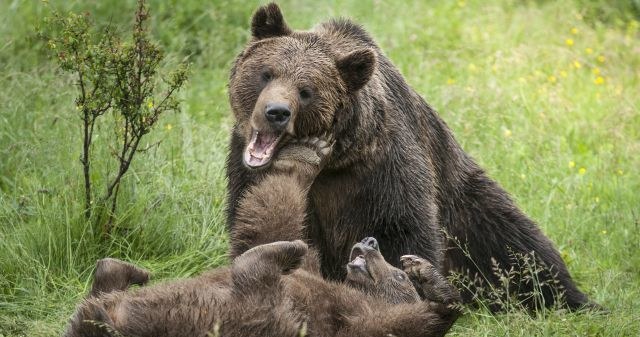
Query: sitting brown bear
x=274, y=288
x=396, y=171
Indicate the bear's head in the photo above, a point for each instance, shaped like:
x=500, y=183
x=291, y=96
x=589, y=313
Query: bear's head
x=368, y=271
x=288, y=85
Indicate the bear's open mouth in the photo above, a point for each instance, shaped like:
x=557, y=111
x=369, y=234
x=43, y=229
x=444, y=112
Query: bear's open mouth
x=358, y=261
x=261, y=148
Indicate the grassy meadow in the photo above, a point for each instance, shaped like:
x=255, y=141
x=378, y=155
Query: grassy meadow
x=544, y=94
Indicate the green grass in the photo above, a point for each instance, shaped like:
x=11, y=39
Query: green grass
x=501, y=74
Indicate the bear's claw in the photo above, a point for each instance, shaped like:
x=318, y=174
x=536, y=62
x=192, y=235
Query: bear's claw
x=306, y=156
x=415, y=266
x=311, y=150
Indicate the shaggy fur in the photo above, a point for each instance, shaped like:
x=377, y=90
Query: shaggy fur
x=273, y=289
x=396, y=171
x=257, y=297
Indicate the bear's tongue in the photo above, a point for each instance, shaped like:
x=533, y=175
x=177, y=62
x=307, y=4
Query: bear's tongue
x=260, y=149
x=359, y=263
x=357, y=259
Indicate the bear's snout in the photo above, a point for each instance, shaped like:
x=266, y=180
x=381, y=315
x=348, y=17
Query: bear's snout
x=278, y=115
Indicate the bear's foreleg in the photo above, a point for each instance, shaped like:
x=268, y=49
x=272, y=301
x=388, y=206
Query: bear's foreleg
x=275, y=208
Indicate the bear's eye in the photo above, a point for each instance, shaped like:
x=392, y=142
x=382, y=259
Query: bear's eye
x=305, y=94
x=266, y=76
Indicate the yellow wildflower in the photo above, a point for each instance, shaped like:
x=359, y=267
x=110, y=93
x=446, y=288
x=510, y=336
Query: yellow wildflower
x=582, y=170
x=552, y=79
x=563, y=74
x=572, y=164
x=169, y=127
x=596, y=71
x=569, y=42
x=507, y=133
x=619, y=90
x=150, y=104
x=588, y=51
x=620, y=172
x=451, y=81
x=574, y=31
x=577, y=64
x=601, y=59
x=598, y=80
x=604, y=231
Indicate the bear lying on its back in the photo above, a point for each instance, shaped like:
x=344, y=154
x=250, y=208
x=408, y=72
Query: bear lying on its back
x=274, y=288
x=262, y=295
x=396, y=171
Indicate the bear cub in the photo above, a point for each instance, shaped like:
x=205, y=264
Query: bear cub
x=274, y=287
x=262, y=294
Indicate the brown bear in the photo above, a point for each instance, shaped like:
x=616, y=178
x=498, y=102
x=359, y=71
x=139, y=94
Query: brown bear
x=261, y=294
x=274, y=288
x=396, y=172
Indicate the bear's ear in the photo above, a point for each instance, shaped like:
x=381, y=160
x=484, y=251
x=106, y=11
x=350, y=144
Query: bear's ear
x=268, y=22
x=356, y=68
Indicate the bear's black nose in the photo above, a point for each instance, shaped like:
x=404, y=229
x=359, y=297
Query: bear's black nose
x=370, y=242
x=278, y=115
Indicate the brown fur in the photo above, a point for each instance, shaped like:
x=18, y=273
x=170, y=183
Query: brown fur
x=273, y=288
x=396, y=172
x=112, y=275
x=257, y=297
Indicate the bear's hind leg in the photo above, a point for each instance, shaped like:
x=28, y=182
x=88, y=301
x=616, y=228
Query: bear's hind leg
x=261, y=267
x=495, y=233
x=114, y=275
